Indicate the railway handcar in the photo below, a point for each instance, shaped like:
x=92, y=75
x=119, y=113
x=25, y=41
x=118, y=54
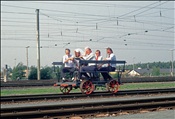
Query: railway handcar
x=87, y=86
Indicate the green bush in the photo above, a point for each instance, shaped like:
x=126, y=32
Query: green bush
x=33, y=73
x=18, y=71
x=45, y=73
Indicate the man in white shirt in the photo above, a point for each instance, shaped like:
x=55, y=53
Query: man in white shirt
x=91, y=66
x=69, y=65
x=88, y=54
x=111, y=67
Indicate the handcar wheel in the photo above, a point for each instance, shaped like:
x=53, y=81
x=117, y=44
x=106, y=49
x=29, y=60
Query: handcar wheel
x=65, y=89
x=86, y=87
x=112, y=86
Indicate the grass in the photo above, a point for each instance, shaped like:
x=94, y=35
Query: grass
x=153, y=85
x=46, y=90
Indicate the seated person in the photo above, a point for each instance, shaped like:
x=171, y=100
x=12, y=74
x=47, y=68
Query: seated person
x=91, y=66
x=77, y=58
x=98, y=57
x=69, y=64
x=110, y=67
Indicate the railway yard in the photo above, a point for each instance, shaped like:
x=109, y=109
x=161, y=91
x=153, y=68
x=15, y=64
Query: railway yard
x=154, y=102
x=87, y=60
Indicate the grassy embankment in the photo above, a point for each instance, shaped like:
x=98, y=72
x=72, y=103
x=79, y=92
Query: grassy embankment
x=45, y=90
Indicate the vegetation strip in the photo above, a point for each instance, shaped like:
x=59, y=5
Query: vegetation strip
x=51, y=90
x=151, y=69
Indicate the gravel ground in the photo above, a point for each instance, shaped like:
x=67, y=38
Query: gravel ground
x=168, y=114
x=71, y=101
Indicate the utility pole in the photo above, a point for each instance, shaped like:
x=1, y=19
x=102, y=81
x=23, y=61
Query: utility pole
x=15, y=62
x=148, y=70
x=27, y=73
x=133, y=62
x=172, y=63
x=38, y=44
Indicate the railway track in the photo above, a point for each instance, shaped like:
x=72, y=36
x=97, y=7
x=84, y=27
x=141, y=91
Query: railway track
x=11, y=99
x=51, y=82
x=86, y=109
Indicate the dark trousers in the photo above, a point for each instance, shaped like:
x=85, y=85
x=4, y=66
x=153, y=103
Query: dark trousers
x=106, y=74
x=85, y=69
x=66, y=70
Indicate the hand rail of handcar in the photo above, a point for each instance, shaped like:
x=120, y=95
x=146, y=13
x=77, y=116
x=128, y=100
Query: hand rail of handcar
x=103, y=62
x=57, y=63
x=96, y=63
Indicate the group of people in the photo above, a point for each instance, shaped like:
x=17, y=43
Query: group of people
x=71, y=63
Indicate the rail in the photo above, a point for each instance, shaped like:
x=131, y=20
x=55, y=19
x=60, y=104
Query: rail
x=88, y=108
x=18, y=98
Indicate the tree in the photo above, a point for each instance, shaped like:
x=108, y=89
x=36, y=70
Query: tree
x=33, y=73
x=46, y=73
x=18, y=71
x=156, y=71
x=56, y=74
x=165, y=65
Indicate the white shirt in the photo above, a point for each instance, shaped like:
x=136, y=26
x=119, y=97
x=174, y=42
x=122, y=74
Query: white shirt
x=112, y=57
x=89, y=57
x=70, y=63
x=99, y=58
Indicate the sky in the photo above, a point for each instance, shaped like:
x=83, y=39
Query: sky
x=137, y=31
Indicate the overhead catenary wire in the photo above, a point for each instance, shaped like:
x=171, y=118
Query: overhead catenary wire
x=119, y=48
x=87, y=25
x=86, y=14
x=99, y=4
x=49, y=16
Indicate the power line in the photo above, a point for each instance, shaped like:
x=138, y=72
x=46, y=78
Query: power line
x=71, y=20
x=156, y=12
x=139, y=10
x=90, y=14
x=150, y=8
x=151, y=22
x=18, y=6
x=99, y=4
x=54, y=11
x=28, y=13
x=136, y=10
x=113, y=40
x=150, y=49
